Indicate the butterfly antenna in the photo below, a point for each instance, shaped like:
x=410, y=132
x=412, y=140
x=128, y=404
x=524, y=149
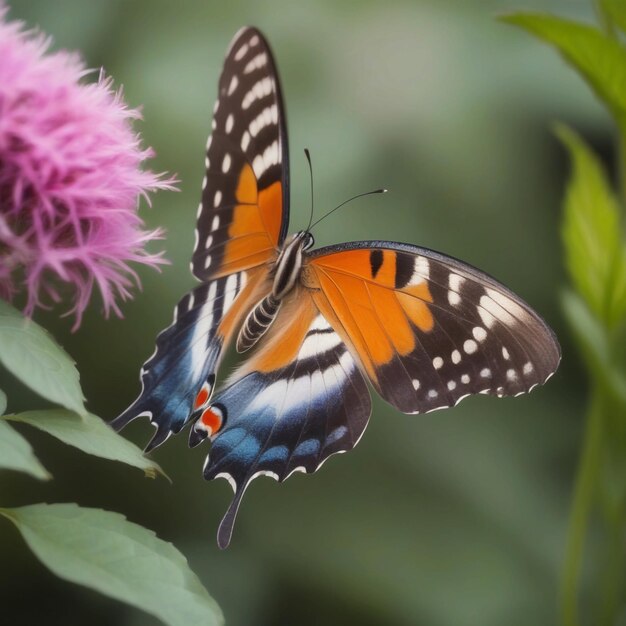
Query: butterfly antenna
x=360, y=195
x=308, y=158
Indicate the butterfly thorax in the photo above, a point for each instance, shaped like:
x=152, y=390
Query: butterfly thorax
x=285, y=273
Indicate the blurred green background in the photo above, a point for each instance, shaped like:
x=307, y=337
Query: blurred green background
x=451, y=518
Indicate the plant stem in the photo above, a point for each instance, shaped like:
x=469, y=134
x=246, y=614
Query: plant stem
x=584, y=491
x=613, y=501
x=621, y=159
x=613, y=578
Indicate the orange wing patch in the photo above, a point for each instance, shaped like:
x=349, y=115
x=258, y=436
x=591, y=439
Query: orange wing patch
x=281, y=345
x=246, y=191
x=413, y=300
x=357, y=293
x=359, y=263
x=270, y=208
x=254, y=228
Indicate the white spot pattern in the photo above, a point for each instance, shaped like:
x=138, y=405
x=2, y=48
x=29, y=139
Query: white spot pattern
x=421, y=270
x=269, y=115
x=259, y=90
x=454, y=298
x=263, y=162
x=480, y=334
x=241, y=52
x=234, y=83
x=245, y=140
x=455, y=281
x=470, y=346
x=256, y=63
x=226, y=163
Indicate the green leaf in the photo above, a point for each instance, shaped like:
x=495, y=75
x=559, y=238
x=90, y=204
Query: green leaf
x=31, y=354
x=104, y=551
x=616, y=11
x=16, y=453
x=600, y=59
x=595, y=252
x=91, y=435
x=594, y=344
x=3, y=402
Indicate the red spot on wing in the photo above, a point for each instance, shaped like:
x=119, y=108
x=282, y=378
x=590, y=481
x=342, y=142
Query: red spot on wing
x=201, y=398
x=212, y=420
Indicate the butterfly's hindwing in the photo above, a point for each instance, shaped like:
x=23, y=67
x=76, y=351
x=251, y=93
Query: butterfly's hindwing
x=184, y=365
x=430, y=330
x=292, y=417
x=242, y=218
x=186, y=356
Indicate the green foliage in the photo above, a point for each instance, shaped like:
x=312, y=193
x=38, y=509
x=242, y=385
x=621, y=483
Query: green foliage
x=595, y=256
x=89, y=434
x=616, y=11
x=593, y=342
x=16, y=454
x=594, y=249
x=105, y=552
x=600, y=59
x=32, y=355
x=91, y=547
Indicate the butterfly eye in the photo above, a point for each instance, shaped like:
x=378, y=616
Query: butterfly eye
x=309, y=241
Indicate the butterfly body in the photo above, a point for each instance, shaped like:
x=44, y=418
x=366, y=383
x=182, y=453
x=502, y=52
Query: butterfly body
x=424, y=329
x=285, y=274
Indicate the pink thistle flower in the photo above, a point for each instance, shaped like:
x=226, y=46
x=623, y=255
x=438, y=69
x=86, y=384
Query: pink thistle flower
x=70, y=180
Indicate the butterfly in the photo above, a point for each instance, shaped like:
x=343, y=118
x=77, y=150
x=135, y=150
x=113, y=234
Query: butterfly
x=424, y=329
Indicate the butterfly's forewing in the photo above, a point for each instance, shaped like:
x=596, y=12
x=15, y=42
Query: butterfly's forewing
x=242, y=220
x=428, y=329
x=243, y=215
x=298, y=400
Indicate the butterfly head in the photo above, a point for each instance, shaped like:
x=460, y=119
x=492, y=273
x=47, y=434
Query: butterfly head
x=306, y=238
x=289, y=263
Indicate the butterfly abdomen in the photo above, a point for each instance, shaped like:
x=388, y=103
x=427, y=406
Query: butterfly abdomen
x=257, y=323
